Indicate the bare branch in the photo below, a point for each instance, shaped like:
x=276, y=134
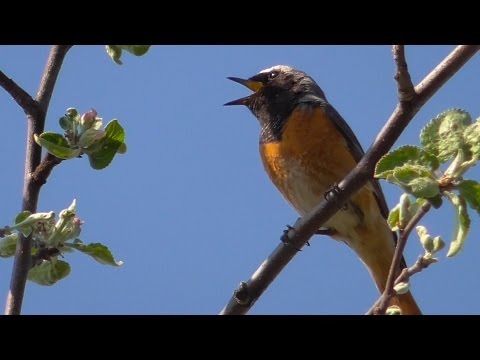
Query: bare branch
x=50, y=74
x=23, y=99
x=421, y=264
x=31, y=186
x=383, y=302
x=307, y=226
x=42, y=172
x=406, y=90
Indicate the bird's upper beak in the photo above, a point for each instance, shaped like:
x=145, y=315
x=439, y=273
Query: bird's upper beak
x=251, y=84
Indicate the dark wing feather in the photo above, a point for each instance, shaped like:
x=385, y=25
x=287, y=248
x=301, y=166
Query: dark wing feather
x=357, y=153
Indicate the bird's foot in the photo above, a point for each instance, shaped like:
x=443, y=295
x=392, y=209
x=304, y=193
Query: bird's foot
x=284, y=238
x=331, y=195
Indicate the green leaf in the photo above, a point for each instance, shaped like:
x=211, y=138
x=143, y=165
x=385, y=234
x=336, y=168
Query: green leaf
x=8, y=245
x=26, y=224
x=414, y=207
x=444, y=135
x=56, y=145
x=90, y=136
x=49, y=272
x=66, y=123
x=415, y=179
x=463, y=223
x=472, y=138
x=424, y=187
x=67, y=226
x=404, y=155
x=394, y=217
x=137, y=50
x=97, y=251
x=114, y=138
x=115, y=51
x=436, y=201
x=470, y=190
x=122, y=149
x=22, y=217
x=115, y=131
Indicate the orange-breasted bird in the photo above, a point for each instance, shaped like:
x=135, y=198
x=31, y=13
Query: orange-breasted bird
x=307, y=147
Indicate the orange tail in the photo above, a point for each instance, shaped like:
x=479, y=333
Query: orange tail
x=375, y=248
x=378, y=264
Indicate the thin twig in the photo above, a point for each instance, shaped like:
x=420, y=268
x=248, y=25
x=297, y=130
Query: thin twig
x=406, y=90
x=363, y=172
x=382, y=303
x=31, y=187
x=421, y=264
x=42, y=172
x=50, y=74
x=22, y=98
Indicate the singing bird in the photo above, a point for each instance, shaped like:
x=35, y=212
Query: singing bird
x=306, y=147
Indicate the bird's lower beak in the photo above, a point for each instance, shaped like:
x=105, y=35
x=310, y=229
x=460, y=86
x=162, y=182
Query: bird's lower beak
x=252, y=85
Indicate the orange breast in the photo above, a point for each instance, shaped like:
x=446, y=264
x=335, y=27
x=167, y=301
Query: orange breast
x=309, y=159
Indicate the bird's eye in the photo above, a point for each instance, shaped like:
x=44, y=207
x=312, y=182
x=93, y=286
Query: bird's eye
x=273, y=75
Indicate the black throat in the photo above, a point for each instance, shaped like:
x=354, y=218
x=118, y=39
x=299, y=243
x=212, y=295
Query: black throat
x=273, y=110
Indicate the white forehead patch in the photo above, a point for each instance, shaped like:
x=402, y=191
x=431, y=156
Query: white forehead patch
x=276, y=67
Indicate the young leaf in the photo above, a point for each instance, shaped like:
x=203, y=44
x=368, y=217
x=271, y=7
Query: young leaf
x=56, y=145
x=67, y=226
x=26, y=223
x=97, y=251
x=115, y=51
x=394, y=218
x=22, y=217
x=463, y=223
x=8, y=245
x=472, y=138
x=137, y=50
x=49, y=272
x=425, y=238
x=470, y=190
x=66, y=123
x=438, y=244
x=404, y=155
x=443, y=135
x=122, y=149
x=405, y=215
x=417, y=180
x=114, y=138
x=89, y=137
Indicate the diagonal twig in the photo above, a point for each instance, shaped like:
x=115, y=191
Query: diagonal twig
x=363, y=172
x=22, y=98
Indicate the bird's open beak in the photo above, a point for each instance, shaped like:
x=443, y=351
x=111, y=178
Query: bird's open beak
x=252, y=85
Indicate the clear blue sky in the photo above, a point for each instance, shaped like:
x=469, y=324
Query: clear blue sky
x=189, y=208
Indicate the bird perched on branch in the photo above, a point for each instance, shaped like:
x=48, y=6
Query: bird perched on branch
x=307, y=147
